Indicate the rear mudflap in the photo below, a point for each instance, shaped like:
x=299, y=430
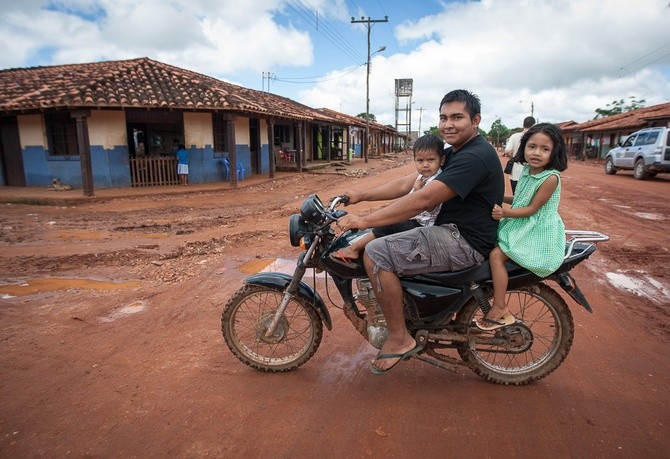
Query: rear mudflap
x=568, y=283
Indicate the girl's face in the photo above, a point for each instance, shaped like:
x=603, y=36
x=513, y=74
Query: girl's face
x=538, y=151
x=427, y=162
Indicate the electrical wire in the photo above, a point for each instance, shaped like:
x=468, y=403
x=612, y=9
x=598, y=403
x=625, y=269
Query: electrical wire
x=317, y=79
x=327, y=30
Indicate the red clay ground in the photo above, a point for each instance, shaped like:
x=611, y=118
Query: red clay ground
x=111, y=342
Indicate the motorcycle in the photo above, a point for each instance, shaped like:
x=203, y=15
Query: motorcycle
x=275, y=321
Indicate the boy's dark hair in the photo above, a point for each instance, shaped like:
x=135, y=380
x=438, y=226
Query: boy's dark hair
x=429, y=142
x=559, y=157
x=528, y=122
x=182, y=146
x=472, y=104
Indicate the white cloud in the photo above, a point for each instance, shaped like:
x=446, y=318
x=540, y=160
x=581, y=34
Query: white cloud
x=566, y=57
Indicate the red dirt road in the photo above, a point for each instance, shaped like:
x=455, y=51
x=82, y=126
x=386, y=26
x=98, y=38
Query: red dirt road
x=111, y=342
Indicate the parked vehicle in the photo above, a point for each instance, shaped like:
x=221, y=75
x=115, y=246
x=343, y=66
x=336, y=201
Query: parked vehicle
x=646, y=152
x=274, y=322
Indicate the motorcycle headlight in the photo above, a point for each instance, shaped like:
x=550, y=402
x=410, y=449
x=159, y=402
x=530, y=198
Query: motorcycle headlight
x=297, y=228
x=312, y=209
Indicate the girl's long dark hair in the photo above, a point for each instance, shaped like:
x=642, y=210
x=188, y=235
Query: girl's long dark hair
x=559, y=156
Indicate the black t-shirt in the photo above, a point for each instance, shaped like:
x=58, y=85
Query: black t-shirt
x=474, y=173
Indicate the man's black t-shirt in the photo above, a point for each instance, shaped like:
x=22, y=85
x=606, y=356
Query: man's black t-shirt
x=474, y=173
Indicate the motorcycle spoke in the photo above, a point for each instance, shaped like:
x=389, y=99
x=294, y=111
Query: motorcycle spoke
x=295, y=334
x=534, y=313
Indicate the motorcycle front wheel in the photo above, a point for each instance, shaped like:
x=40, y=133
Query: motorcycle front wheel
x=526, y=351
x=246, y=318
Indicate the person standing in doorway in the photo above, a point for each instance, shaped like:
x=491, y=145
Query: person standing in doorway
x=182, y=164
x=511, y=149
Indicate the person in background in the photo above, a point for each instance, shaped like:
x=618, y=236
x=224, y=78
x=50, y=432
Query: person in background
x=182, y=164
x=531, y=232
x=511, y=149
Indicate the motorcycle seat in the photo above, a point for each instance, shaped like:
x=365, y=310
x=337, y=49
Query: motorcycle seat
x=479, y=273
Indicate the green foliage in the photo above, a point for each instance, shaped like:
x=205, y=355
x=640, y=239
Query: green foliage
x=369, y=116
x=433, y=130
x=499, y=133
x=619, y=106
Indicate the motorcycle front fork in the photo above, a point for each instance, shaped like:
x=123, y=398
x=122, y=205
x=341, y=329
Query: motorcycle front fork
x=292, y=288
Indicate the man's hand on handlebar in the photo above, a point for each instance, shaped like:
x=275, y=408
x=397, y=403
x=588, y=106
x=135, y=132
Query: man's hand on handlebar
x=351, y=222
x=354, y=197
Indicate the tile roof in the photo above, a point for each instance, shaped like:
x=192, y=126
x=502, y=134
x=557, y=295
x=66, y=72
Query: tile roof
x=634, y=119
x=142, y=83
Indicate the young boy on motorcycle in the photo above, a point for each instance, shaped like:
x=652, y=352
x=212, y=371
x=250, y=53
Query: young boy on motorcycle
x=428, y=159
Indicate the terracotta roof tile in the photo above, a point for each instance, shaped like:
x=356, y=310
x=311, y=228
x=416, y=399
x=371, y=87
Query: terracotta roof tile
x=132, y=83
x=635, y=119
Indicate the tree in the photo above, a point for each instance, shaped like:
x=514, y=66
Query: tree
x=369, y=116
x=499, y=133
x=619, y=106
x=434, y=130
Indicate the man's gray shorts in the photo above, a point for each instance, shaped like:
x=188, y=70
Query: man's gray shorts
x=423, y=250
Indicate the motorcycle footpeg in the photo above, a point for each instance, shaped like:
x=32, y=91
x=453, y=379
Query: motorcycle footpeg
x=421, y=337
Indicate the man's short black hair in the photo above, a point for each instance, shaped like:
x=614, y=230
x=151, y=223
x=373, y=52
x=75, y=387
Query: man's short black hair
x=528, y=122
x=472, y=104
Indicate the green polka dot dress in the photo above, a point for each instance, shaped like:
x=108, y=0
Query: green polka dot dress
x=537, y=242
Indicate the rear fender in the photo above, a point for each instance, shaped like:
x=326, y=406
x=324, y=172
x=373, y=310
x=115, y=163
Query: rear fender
x=279, y=282
x=568, y=283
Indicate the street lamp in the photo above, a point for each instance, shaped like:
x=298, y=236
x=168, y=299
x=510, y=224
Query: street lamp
x=367, y=99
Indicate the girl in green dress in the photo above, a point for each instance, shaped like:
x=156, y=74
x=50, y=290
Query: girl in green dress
x=531, y=232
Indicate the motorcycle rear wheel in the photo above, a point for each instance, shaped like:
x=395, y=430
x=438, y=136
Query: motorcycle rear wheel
x=246, y=317
x=522, y=353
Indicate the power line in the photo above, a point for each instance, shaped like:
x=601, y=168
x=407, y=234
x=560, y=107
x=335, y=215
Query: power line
x=326, y=29
x=317, y=79
x=388, y=24
x=635, y=69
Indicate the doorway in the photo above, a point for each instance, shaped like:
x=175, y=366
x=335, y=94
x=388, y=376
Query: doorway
x=255, y=145
x=10, y=153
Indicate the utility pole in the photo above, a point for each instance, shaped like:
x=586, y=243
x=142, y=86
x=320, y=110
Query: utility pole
x=369, y=23
x=267, y=75
x=418, y=133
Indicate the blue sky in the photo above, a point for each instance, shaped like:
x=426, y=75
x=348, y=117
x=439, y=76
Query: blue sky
x=563, y=58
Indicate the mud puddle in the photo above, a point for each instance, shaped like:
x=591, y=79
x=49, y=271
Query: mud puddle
x=269, y=265
x=50, y=284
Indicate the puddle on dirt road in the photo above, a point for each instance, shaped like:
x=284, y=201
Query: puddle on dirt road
x=46, y=285
x=134, y=308
x=644, y=285
x=271, y=265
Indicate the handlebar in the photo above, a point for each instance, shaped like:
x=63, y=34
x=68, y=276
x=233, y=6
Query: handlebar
x=337, y=200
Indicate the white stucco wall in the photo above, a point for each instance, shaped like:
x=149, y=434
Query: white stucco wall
x=31, y=131
x=198, y=130
x=263, y=126
x=107, y=128
x=242, y=130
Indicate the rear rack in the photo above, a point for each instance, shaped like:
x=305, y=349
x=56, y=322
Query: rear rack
x=576, y=236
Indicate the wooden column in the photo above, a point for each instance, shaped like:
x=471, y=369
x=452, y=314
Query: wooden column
x=231, y=147
x=84, y=147
x=329, y=144
x=271, y=146
x=301, y=154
